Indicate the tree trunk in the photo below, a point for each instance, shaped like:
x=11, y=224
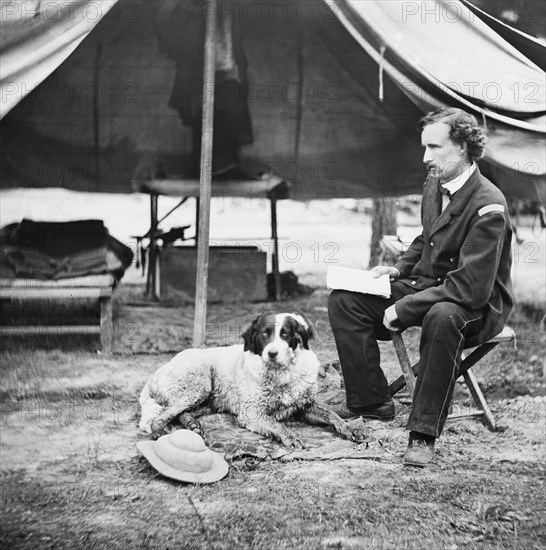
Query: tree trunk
x=383, y=223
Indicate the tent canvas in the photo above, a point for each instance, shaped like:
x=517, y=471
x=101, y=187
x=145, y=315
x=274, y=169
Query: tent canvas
x=335, y=90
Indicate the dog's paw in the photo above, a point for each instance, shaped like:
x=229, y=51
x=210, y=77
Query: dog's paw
x=292, y=442
x=154, y=436
x=146, y=428
x=158, y=427
x=355, y=434
x=189, y=422
x=158, y=432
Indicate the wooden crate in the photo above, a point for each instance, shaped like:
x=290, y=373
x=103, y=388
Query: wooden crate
x=235, y=274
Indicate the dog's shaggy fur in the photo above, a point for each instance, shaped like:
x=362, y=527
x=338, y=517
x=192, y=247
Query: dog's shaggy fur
x=270, y=378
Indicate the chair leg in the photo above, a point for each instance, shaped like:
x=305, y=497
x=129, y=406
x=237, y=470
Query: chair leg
x=408, y=378
x=479, y=399
x=405, y=364
x=106, y=324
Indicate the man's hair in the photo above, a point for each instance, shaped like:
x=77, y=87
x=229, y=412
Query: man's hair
x=463, y=128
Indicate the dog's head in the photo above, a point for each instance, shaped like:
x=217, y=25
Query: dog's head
x=276, y=337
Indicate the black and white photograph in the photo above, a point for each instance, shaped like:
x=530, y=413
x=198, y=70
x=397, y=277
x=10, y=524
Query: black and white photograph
x=272, y=274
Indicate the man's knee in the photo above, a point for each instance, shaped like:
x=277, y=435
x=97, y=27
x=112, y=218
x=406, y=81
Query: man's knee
x=344, y=305
x=339, y=300
x=443, y=313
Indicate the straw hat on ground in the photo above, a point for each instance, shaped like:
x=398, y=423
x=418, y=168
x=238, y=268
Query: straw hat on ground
x=183, y=455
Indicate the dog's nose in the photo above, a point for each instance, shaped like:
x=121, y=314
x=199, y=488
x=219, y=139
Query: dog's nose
x=272, y=353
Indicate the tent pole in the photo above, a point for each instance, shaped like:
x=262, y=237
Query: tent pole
x=275, y=255
x=205, y=177
x=151, y=278
x=197, y=207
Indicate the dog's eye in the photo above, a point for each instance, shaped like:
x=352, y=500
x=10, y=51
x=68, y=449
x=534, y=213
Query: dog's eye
x=284, y=334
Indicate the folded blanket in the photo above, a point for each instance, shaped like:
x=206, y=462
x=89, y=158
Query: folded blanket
x=32, y=263
x=60, y=250
x=60, y=239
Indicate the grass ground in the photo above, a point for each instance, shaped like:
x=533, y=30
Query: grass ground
x=71, y=476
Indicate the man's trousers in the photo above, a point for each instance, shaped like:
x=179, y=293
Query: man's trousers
x=357, y=324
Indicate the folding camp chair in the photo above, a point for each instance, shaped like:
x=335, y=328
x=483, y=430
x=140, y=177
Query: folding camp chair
x=470, y=357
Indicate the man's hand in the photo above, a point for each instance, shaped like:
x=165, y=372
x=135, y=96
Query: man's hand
x=390, y=319
x=389, y=270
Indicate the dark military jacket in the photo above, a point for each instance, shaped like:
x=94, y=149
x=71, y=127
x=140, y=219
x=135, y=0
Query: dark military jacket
x=462, y=256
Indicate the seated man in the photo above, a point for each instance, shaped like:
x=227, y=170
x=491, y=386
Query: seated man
x=453, y=281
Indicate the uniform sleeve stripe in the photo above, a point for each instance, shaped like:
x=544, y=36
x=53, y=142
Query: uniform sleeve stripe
x=490, y=208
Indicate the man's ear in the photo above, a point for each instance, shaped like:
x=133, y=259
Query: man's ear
x=250, y=337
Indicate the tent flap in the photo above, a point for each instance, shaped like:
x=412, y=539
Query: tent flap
x=37, y=37
x=91, y=92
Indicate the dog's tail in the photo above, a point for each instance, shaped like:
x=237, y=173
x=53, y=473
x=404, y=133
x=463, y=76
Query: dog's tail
x=150, y=409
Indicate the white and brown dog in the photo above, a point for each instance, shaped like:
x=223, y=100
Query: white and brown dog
x=270, y=378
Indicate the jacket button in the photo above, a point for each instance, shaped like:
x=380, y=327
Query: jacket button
x=439, y=279
x=413, y=282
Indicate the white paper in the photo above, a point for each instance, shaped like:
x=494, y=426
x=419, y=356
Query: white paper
x=358, y=280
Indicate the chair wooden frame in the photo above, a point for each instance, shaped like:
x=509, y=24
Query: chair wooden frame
x=470, y=357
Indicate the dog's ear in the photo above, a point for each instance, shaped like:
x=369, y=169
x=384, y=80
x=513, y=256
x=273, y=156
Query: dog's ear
x=250, y=337
x=303, y=330
x=305, y=335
